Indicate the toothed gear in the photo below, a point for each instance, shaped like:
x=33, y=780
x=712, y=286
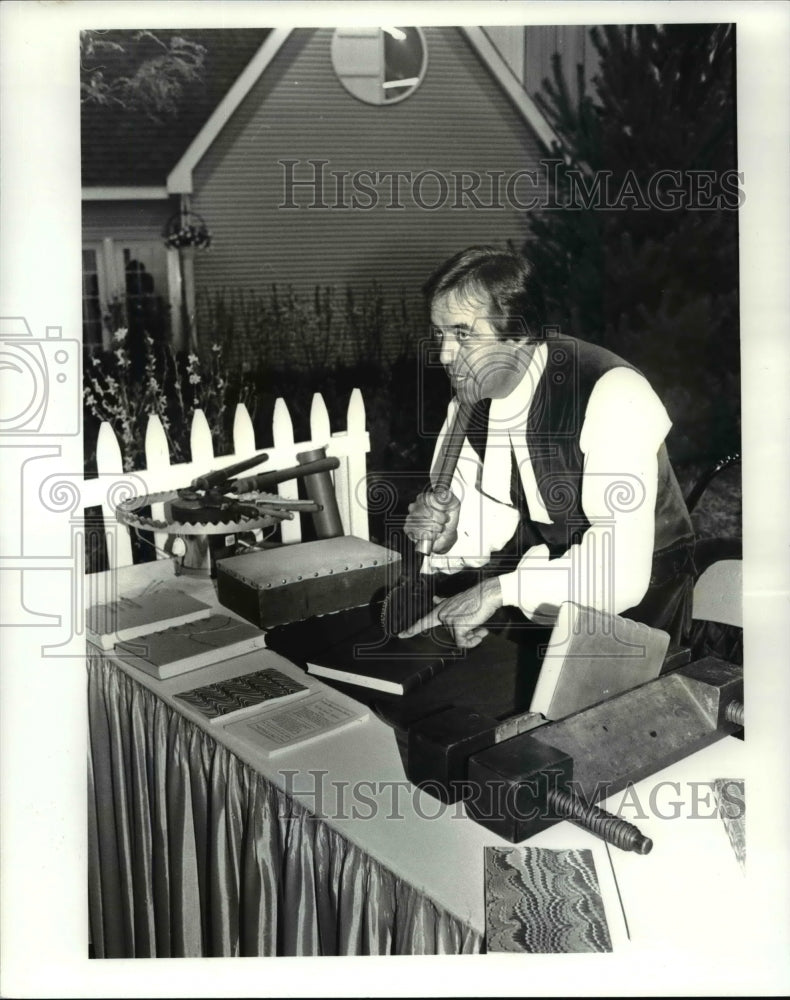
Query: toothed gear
x=271, y=507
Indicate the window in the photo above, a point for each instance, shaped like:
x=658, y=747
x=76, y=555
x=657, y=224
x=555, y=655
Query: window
x=91, y=299
x=379, y=65
x=125, y=283
x=143, y=271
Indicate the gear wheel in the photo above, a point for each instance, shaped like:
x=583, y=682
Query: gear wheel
x=261, y=510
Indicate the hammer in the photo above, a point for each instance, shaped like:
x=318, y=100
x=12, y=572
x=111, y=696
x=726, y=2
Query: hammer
x=410, y=599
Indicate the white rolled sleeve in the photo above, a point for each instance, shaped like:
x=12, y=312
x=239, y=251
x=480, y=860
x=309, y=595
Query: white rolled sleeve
x=609, y=568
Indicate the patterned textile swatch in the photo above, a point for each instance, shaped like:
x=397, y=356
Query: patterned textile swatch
x=730, y=796
x=540, y=900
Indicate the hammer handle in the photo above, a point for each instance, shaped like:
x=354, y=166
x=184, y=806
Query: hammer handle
x=268, y=479
x=221, y=476
x=451, y=448
x=441, y=485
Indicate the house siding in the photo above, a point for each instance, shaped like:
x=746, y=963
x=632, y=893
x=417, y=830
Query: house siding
x=529, y=49
x=572, y=42
x=459, y=119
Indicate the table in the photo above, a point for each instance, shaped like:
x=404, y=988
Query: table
x=199, y=846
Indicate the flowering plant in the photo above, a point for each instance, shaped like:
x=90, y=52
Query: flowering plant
x=124, y=389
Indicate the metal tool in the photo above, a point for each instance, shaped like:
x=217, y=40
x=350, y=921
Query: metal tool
x=412, y=596
x=216, y=506
x=217, y=502
x=522, y=775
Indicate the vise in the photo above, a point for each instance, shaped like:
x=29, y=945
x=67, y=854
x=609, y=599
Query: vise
x=521, y=775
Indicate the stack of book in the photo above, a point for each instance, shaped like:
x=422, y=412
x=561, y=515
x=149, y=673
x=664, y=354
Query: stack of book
x=169, y=632
x=153, y=609
x=178, y=649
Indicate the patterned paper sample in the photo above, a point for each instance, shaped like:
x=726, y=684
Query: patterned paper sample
x=730, y=796
x=216, y=700
x=540, y=900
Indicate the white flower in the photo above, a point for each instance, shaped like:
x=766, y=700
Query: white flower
x=120, y=334
x=194, y=379
x=193, y=359
x=216, y=348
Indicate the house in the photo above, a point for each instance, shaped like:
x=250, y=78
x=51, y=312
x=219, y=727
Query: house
x=126, y=158
x=302, y=180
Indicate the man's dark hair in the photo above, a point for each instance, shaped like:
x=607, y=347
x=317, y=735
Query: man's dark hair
x=504, y=278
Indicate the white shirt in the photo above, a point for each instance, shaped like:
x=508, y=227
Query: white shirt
x=609, y=569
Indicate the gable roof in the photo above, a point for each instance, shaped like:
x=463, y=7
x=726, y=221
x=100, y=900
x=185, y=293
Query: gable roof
x=113, y=141
x=125, y=148
x=180, y=177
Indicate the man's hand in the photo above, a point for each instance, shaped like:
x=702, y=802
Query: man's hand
x=463, y=614
x=434, y=516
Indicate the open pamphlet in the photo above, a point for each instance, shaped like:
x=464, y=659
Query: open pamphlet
x=294, y=725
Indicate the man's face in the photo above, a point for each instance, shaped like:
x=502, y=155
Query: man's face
x=480, y=366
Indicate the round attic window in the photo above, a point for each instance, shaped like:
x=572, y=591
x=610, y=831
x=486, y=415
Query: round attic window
x=379, y=65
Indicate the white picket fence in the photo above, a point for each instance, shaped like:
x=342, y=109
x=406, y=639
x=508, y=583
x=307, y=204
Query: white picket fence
x=350, y=446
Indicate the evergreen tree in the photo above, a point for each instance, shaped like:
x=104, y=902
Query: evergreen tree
x=658, y=286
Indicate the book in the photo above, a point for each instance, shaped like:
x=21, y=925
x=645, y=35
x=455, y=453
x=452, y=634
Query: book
x=392, y=665
x=312, y=718
x=181, y=648
x=390, y=676
x=593, y=655
x=242, y=695
x=153, y=609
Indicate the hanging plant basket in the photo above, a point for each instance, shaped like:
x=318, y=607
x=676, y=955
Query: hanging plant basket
x=187, y=229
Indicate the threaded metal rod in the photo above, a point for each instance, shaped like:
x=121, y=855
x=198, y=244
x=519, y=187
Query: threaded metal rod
x=614, y=830
x=733, y=712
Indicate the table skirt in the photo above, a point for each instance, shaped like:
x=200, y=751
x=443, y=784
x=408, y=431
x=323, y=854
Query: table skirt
x=194, y=853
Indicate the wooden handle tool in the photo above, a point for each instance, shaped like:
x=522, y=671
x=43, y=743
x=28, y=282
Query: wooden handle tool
x=411, y=599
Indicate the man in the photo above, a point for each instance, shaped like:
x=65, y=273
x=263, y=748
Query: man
x=563, y=489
